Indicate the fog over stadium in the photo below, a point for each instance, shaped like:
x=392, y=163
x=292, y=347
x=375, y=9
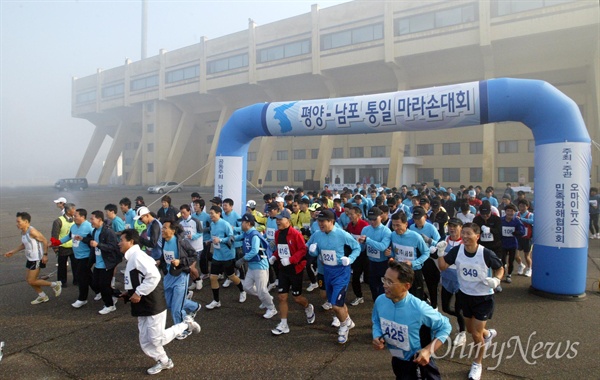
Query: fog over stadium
x=45, y=44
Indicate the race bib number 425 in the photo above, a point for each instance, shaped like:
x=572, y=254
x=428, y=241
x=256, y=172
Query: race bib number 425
x=395, y=334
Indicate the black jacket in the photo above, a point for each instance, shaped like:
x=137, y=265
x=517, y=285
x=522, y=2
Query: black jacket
x=108, y=245
x=187, y=255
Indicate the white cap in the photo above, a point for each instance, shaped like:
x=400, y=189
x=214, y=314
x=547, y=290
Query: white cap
x=141, y=212
x=286, y=188
x=251, y=204
x=60, y=200
x=279, y=199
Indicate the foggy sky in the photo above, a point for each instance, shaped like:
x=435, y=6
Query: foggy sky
x=44, y=44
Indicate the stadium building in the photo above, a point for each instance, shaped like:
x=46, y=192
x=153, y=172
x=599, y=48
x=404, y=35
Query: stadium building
x=164, y=114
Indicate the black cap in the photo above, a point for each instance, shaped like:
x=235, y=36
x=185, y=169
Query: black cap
x=374, y=212
x=506, y=196
x=326, y=215
x=455, y=221
x=272, y=206
x=139, y=198
x=418, y=212
x=248, y=218
x=216, y=200
x=485, y=209
x=422, y=201
x=436, y=203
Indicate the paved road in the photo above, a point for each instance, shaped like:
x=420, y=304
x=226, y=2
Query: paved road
x=55, y=341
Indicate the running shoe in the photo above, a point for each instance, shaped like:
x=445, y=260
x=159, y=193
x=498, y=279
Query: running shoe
x=226, y=283
x=189, y=295
x=357, y=301
x=242, y=297
x=57, y=288
x=460, y=339
x=335, y=322
x=312, y=287
x=77, y=304
x=327, y=306
x=488, y=341
x=183, y=335
x=343, y=332
x=193, y=313
x=270, y=313
x=193, y=326
x=159, y=367
x=475, y=372
x=213, y=305
x=528, y=272
x=310, y=314
x=98, y=297
x=40, y=299
x=508, y=279
x=107, y=309
x=282, y=328
x=520, y=269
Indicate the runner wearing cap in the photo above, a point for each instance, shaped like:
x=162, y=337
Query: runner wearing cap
x=525, y=243
x=234, y=219
x=223, y=256
x=291, y=254
x=271, y=227
x=255, y=256
x=337, y=249
x=259, y=218
x=205, y=254
x=376, y=238
x=152, y=237
x=476, y=289
x=491, y=230
x=60, y=203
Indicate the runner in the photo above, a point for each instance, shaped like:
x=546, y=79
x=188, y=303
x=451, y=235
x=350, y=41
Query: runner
x=36, y=252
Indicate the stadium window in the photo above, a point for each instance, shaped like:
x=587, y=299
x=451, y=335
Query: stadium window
x=475, y=175
x=299, y=154
x=282, y=155
x=314, y=154
x=282, y=175
x=424, y=149
x=531, y=146
x=425, y=175
x=299, y=175
x=150, y=127
x=451, y=149
x=357, y=152
x=476, y=147
x=337, y=153
x=224, y=64
x=451, y=175
x=150, y=167
x=508, y=146
x=508, y=174
x=268, y=176
x=150, y=148
x=249, y=174
x=378, y=151
x=352, y=36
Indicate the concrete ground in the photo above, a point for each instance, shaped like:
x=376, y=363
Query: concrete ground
x=539, y=338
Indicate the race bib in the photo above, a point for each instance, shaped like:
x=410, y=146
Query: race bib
x=216, y=245
x=471, y=274
x=404, y=253
x=271, y=233
x=75, y=243
x=329, y=257
x=169, y=256
x=97, y=251
x=395, y=334
x=283, y=250
x=188, y=232
x=372, y=252
x=127, y=226
x=507, y=231
x=487, y=237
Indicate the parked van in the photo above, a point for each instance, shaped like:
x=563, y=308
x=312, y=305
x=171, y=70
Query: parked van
x=66, y=184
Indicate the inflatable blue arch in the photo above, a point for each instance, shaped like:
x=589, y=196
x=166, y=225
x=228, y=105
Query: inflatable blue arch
x=562, y=152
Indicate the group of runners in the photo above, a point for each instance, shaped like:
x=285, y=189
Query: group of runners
x=401, y=242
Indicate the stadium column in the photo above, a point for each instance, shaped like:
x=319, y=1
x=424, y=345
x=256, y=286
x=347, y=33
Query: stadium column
x=92, y=151
x=180, y=141
x=398, y=138
x=226, y=112
x=114, y=153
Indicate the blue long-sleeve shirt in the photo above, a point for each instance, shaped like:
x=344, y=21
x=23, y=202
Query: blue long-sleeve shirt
x=235, y=220
x=510, y=231
x=224, y=250
x=204, y=218
x=253, y=251
x=330, y=246
x=378, y=240
x=80, y=249
x=399, y=324
x=129, y=221
x=428, y=230
x=410, y=246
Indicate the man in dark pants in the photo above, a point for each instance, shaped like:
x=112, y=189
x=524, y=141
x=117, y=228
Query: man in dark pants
x=61, y=228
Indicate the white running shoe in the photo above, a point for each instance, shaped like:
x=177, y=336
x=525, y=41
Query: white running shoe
x=327, y=306
x=183, y=335
x=199, y=285
x=520, y=269
x=282, y=328
x=270, y=313
x=226, y=283
x=40, y=299
x=213, y=305
x=271, y=287
x=357, y=301
x=77, y=304
x=192, y=286
x=312, y=287
x=528, y=272
x=343, y=332
x=98, y=297
x=310, y=314
x=460, y=339
x=159, y=367
x=189, y=295
x=193, y=326
x=57, y=288
x=193, y=313
x=115, y=299
x=242, y=297
x=488, y=341
x=475, y=372
x=107, y=309
x=335, y=322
